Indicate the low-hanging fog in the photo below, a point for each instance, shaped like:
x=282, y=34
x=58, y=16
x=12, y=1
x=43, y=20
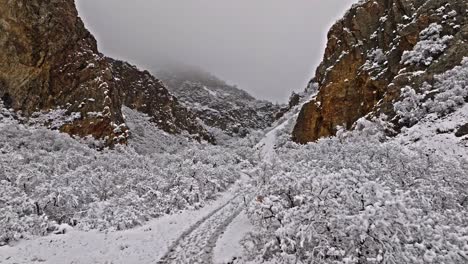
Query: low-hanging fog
x=267, y=47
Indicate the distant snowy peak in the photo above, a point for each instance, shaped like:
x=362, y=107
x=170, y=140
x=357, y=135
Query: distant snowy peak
x=218, y=104
x=384, y=52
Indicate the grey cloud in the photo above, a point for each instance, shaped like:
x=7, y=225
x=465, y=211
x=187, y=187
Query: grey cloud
x=267, y=47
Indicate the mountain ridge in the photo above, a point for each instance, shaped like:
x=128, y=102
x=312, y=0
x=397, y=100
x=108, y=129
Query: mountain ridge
x=51, y=63
x=374, y=51
x=218, y=104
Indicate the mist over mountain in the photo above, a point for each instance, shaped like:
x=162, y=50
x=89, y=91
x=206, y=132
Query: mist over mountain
x=218, y=104
x=243, y=42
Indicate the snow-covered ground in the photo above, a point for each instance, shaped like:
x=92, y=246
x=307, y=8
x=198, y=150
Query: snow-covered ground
x=267, y=145
x=437, y=134
x=145, y=244
x=229, y=248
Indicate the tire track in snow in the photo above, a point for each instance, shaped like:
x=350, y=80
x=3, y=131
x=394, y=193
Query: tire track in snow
x=196, y=244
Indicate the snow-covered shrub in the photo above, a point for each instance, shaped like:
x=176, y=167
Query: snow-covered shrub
x=48, y=178
x=18, y=216
x=358, y=200
x=449, y=92
x=430, y=45
x=376, y=127
x=410, y=109
x=375, y=59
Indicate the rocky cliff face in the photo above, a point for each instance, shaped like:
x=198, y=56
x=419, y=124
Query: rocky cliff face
x=50, y=62
x=218, y=104
x=376, y=50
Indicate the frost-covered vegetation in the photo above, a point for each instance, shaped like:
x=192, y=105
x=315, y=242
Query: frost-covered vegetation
x=362, y=197
x=430, y=45
x=359, y=197
x=48, y=178
x=356, y=199
x=448, y=92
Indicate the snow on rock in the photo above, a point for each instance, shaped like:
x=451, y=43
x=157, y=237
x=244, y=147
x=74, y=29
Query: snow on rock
x=222, y=107
x=211, y=92
x=430, y=45
x=62, y=229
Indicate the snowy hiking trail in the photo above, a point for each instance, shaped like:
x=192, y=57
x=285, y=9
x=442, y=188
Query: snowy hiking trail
x=196, y=245
x=188, y=237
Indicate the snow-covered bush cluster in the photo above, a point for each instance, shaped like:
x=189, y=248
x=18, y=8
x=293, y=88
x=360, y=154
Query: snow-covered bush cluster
x=356, y=199
x=362, y=197
x=48, y=178
x=375, y=59
x=449, y=91
x=410, y=109
x=430, y=45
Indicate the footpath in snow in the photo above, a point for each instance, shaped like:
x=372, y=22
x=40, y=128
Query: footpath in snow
x=188, y=237
x=228, y=248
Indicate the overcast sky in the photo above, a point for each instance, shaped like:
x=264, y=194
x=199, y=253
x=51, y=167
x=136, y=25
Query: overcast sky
x=267, y=47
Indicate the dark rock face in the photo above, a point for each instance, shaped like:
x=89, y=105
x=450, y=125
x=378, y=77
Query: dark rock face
x=218, y=104
x=462, y=131
x=294, y=100
x=49, y=61
x=365, y=64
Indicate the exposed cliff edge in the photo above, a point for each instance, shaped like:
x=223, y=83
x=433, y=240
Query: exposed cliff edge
x=49, y=63
x=379, y=49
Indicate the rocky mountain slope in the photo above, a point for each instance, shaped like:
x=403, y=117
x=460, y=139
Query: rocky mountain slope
x=50, y=65
x=382, y=56
x=143, y=92
x=217, y=103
